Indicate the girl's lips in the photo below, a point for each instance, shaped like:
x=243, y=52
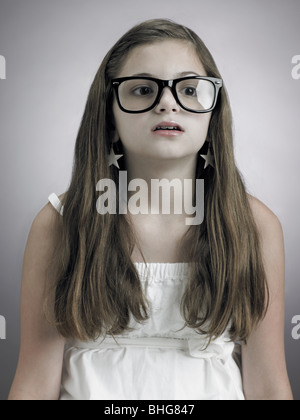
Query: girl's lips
x=168, y=129
x=167, y=133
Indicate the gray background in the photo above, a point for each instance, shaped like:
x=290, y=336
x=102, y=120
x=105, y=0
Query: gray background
x=53, y=49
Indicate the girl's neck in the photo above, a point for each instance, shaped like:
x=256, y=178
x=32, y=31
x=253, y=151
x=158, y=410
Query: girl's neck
x=168, y=183
x=149, y=169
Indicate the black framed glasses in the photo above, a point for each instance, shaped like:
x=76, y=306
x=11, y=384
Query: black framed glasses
x=197, y=94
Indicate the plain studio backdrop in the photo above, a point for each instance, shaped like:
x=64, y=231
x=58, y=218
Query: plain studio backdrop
x=50, y=52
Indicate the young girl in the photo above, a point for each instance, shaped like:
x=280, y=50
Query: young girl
x=145, y=303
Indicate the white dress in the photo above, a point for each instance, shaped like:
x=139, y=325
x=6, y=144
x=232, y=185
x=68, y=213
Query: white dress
x=157, y=360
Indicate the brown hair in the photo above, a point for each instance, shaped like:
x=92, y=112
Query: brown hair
x=98, y=287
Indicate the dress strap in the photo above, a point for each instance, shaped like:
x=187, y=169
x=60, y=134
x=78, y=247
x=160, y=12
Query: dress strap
x=56, y=203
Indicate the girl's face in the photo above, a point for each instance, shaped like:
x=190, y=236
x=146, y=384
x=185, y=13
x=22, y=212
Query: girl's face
x=167, y=60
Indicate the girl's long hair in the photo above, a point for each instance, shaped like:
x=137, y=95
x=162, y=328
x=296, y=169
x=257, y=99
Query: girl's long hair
x=98, y=289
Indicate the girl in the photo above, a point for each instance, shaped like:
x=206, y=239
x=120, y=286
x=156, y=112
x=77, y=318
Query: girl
x=142, y=304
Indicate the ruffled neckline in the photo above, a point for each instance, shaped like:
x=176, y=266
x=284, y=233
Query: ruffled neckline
x=163, y=271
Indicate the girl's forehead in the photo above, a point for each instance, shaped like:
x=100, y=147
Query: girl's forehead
x=168, y=57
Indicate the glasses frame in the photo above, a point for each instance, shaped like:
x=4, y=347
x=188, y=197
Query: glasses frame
x=217, y=83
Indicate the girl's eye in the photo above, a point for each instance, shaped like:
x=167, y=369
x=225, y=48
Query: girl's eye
x=143, y=91
x=189, y=91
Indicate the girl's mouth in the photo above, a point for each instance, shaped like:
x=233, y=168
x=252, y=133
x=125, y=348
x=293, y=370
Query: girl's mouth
x=167, y=129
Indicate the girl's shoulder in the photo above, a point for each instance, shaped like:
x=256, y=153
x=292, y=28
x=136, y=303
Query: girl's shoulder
x=267, y=222
x=47, y=222
x=261, y=212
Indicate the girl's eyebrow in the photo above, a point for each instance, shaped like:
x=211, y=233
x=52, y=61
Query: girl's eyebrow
x=187, y=73
x=177, y=75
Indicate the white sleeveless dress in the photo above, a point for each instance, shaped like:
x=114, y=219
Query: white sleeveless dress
x=157, y=360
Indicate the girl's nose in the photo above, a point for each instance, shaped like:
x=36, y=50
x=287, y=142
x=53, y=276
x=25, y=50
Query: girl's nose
x=167, y=102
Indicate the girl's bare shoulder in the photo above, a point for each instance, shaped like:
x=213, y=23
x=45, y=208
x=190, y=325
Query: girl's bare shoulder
x=46, y=225
x=259, y=209
x=263, y=215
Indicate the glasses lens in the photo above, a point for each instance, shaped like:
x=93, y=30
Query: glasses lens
x=137, y=94
x=196, y=94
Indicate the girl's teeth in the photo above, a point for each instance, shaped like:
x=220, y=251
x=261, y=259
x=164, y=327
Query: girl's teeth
x=167, y=128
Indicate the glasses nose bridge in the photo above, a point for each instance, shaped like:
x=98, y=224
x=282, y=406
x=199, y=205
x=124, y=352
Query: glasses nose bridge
x=166, y=84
